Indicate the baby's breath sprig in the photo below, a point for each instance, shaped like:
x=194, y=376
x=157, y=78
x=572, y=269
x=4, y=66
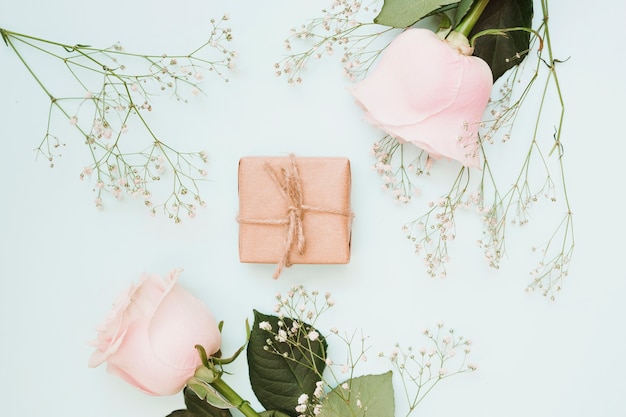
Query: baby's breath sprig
x=110, y=94
x=535, y=179
x=497, y=206
x=303, y=309
x=340, y=27
x=401, y=166
x=397, y=177
x=420, y=371
x=431, y=232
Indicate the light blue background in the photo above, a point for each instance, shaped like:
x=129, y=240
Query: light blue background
x=63, y=262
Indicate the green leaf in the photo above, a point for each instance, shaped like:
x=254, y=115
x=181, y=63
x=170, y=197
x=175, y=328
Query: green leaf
x=369, y=395
x=197, y=407
x=273, y=413
x=503, y=52
x=462, y=9
x=404, y=13
x=181, y=413
x=278, y=380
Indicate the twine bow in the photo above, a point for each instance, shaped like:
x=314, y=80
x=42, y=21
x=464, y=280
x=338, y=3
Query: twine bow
x=290, y=188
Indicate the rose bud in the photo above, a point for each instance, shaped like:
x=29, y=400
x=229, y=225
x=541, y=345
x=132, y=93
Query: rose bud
x=429, y=92
x=149, y=337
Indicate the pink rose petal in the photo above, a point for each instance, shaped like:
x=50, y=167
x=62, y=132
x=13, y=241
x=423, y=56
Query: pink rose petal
x=149, y=337
x=425, y=92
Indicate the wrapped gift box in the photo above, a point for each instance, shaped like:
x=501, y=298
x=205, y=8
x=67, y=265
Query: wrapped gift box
x=294, y=210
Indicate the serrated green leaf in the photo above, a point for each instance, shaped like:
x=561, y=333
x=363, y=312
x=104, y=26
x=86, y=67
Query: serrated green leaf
x=463, y=7
x=503, y=52
x=404, y=13
x=277, y=380
x=369, y=395
x=200, y=408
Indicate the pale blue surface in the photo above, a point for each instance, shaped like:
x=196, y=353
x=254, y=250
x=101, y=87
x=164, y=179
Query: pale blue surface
x=63, y=262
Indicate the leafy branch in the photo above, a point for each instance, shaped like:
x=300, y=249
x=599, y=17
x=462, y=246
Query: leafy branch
x=293, y=370
x=111, y=96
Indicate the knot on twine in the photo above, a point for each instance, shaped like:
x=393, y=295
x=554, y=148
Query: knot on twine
x=289, y=186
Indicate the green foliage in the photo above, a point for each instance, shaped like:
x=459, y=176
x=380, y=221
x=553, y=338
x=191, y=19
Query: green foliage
x=500, y=51
x=273, y=413
x=369, y=395
x=181, y=413
x=282, y=371
x=196, y=407
x=504, y=51
x=200, y=408
x=404, y=13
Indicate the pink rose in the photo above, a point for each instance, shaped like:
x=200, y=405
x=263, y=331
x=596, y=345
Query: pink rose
x=429, y=92
x=149, y=337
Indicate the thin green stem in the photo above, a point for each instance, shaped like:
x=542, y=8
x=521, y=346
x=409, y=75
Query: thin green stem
x=466, y=25
x=504, y=31
x=7, y=38
x=6, y=34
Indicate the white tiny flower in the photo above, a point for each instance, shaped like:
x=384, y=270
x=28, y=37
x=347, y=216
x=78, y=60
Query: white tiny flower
x=282, y=336
x=319, y=389
x=313, y=335
x=265, y=325
x=303, y=399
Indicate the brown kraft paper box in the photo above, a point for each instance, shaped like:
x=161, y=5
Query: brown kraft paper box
x=294, y=210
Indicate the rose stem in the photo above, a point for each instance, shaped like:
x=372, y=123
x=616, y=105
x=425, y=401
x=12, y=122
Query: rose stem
x=467, y=23
x=232, y=397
